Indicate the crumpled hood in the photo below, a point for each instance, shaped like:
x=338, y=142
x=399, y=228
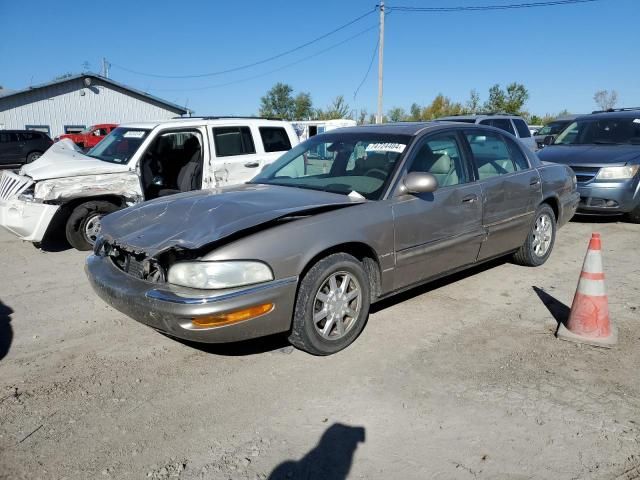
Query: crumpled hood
x=589, y=154
x=65, y=159
x=194, y=219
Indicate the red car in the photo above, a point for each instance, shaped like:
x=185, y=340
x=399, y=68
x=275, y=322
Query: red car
x=90, y=137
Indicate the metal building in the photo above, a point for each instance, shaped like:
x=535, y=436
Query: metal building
x=70, y=104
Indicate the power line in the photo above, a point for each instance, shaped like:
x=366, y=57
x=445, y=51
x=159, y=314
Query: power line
x=373, y=57
x=471, y=8
x=246, y=79
x=249, y=65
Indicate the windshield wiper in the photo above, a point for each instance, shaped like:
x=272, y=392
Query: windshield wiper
x=604, y=142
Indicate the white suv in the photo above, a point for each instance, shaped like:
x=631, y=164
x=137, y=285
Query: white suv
x=135, y=162
x=513, y=124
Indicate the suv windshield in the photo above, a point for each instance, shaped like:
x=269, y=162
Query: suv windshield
x=339, y=163
x=552, y=128
x=602, y=131
x=119, y=146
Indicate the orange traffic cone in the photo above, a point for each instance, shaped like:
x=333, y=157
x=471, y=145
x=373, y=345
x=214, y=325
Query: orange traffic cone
x=589, y=319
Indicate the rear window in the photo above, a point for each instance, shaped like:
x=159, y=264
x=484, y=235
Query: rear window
x=275, y=139
x=230, y=141
x=523, y=130
x=7, y=137
x=501, y=123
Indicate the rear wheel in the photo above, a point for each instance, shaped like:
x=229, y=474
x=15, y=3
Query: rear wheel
x=332, y=305
x=33, y=156
x=84, y=223
x=539, y=243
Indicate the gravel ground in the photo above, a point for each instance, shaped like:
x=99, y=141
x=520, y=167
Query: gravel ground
x=459, y=379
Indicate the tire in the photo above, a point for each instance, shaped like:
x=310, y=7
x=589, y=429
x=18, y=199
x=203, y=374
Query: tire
x=634, y=215
x=531, y=254
x=315, y=296
x=33, y=156
x=78, y=229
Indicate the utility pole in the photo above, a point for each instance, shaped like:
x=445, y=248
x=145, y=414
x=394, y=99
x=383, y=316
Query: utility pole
x=105, y=67
x=380, y=62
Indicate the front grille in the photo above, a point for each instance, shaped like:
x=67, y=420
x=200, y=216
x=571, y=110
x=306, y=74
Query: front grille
x=12, y=185
x=585, y=174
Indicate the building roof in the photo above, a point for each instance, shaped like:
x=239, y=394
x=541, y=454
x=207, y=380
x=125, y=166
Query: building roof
x=4, y=93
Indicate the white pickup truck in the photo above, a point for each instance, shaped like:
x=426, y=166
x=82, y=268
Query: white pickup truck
x=135, y=162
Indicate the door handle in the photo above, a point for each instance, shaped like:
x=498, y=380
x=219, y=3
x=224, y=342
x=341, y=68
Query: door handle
x=470, y=199
x=252, y=164
x=534, y=181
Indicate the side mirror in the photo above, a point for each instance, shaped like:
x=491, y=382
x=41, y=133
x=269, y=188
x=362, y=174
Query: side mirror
x=548, y=140
x=419, y=182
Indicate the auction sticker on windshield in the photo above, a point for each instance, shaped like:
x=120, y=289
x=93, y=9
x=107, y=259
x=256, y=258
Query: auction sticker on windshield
x=386, y=147
x=134, y=134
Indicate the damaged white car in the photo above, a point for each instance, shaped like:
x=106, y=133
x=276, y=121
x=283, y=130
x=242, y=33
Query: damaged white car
x=69, y=189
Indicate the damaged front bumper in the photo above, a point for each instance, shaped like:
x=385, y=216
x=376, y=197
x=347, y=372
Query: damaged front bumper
x=172, y=310
x=28, y=220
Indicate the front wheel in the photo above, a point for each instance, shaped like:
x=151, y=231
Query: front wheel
x=332, y=305
x=539, y=243
x=33, y=156
x=84, y=223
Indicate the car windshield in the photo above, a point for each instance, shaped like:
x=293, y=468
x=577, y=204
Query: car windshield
x=602, y=131
x=552, y=128
x=119, y=146
x=339, y=163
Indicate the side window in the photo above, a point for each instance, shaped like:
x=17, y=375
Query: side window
x=230, y=141
x=523, y=130
x=490, y=154
x=26, y=136
x=275, y=139
x=503, y=124
x=516, y=154
x=440, y=156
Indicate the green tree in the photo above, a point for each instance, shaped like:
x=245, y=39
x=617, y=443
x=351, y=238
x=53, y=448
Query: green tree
x=278, y=102
x=397, y=114
x=441, y=106
x=415, y=112
x=302, y=106
x=338, y=109
x=510, y=101
x=473, y=104
x=362, y=117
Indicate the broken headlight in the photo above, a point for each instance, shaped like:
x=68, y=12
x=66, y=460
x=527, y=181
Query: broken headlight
x=218, y=275
x=27, y=194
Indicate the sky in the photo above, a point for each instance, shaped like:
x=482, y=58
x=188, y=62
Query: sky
x=562, y=54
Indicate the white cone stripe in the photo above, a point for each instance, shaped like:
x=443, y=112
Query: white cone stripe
x=593, y=262
x=594, y=288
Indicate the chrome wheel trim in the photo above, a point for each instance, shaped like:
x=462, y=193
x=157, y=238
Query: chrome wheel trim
x=542, y=235
x=92, y=227
x=337, y=305
x=35, y=156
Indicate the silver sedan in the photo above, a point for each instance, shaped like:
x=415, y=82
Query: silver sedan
x=343, y=220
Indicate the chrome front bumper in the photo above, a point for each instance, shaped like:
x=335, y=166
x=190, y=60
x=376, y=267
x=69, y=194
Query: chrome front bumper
x=27, y=220
x=171, y=310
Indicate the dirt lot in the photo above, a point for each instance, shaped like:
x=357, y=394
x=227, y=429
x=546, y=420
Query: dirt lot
x=461, y=379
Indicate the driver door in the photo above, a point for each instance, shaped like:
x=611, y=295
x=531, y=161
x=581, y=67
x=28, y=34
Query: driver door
x=440, y=231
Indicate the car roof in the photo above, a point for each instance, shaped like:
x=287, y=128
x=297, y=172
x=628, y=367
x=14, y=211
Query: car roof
x=22, y=131
x=192, y=121
x=404, y=128
x=621, y=113
x=478, y=116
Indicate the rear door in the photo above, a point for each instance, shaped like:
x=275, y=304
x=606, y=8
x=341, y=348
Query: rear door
x=510, y=190
x=440, y=231
x=235, y=156
x=9, y=148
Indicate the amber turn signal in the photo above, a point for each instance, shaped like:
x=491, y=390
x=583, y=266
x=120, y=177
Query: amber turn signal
x=232, y=317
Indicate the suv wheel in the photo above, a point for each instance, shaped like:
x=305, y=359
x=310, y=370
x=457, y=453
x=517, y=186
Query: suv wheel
x=332, y=305
x=84, y=223
x=33, y=156
x=539, y=243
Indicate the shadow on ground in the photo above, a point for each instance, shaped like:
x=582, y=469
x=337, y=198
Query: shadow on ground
x=597, y=219
x=331, y=459
x=55, y=239
x=255, y=346
x=558, y=309
x=6, y=332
